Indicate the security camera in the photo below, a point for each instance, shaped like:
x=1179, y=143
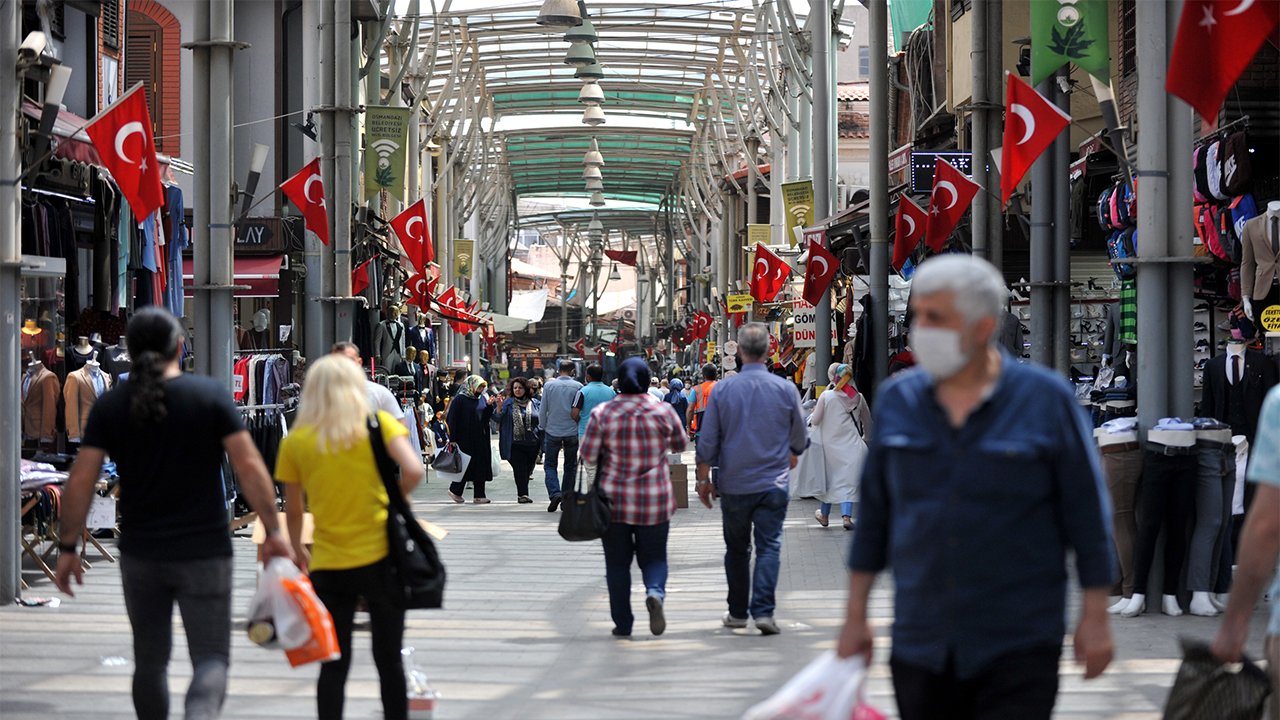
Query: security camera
x=33, y=47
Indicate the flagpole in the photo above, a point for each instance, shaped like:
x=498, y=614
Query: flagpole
x=823, y=92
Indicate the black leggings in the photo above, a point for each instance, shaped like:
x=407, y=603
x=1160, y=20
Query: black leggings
x=1164, y=503
x=339, y=591
x=523, y=458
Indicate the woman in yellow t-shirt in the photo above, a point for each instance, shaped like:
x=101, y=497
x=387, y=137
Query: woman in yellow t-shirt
x=327, y=464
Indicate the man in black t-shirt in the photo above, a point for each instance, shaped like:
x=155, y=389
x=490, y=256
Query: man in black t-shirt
x=167, y=433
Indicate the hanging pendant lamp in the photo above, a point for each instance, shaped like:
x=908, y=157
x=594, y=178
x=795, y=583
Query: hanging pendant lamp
x=595, y=225
x=580, y=54
x=558, y=15
x=590, y=172
x=594, y=71
x=597, y=199
x=591, y=94
x=585, y=31
x=594, y=185
x=593, y=116
x=593, y=156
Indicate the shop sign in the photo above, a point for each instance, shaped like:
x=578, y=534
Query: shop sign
x=900, y=159
x=463, y=251
x=259, y=236
x=711, y=350
x=804, y=328
x=739, y=303
x=1270, y=319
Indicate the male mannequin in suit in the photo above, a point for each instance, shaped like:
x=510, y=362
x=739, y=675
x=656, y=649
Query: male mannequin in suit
x=1260, y=262
x=80, y=392
x=389, y=339
x=1235, y=384
x=421, y=336
x=39, y=403
x=410, y=367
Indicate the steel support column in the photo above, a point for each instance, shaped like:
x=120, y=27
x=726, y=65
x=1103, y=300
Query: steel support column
x=315, y=335
x=979, y=117
x=995, y=94
x=1042, y=252
x=10, y=305
x=1061, y=152
x=217, y=336
x=824, y=91
x=1153, y=216
x=878, y=322
x=202, y=305
x=344, y=172
x=1179, y=331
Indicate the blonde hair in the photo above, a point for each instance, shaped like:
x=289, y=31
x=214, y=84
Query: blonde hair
x=335, y=401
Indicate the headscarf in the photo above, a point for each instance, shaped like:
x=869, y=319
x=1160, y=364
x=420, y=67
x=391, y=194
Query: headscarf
x=843, y=381
x=833, y=373
x=471, y=386
x=674, y=389
x=633, y=376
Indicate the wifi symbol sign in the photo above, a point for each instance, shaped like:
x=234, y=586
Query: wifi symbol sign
x=384, y=148
x=801, y=214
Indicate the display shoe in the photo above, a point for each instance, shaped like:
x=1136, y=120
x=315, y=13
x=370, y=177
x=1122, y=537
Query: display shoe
x=1219, y=600
x=1202, y=605
x=1169, y=606
x=1135, y=607
x=822, y=519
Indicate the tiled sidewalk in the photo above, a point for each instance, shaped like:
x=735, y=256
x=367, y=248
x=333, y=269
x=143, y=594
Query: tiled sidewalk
x=526, y=634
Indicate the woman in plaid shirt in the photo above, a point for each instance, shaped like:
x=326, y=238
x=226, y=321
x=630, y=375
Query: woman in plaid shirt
x=628, y=439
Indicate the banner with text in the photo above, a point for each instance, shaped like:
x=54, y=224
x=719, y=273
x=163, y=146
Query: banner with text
x=797, y=200
x=804, y=330
x=385, y=134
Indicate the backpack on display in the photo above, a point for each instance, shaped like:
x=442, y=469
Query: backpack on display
x=1126, y=206
x=1200, y=188
x=1213, y=172
x=1122, y=245
x=1104, y=209
x=1208, y=225
x=1243, y=209
x=1236, y=163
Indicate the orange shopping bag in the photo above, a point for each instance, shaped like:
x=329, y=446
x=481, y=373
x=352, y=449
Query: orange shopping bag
x=323, y=644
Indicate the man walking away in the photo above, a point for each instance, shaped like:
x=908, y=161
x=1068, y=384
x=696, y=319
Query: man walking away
x=561, y=429
x=752, y=430
x=594, y=393
x=980, y=479
x=698, y=399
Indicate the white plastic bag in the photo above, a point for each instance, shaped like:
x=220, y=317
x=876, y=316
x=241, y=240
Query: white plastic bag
x=826, y=689
x=809, y=476
x=495, y=460
x=273, y=604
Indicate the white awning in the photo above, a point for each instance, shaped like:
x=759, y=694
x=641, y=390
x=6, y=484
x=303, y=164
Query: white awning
x=520, y=267
x=530, y=304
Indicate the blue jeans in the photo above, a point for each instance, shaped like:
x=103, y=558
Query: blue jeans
x=846, y=509
x=763, y=513
x=648, y=545
x=551, y=451
x=202, y=590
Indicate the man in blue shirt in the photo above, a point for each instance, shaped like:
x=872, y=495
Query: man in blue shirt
x=561, y=429
x=980, y=477
x=753, y=431
x=594, y=393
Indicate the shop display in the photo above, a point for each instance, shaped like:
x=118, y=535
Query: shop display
x=39, y=403
x=82, y=389
x=390, y=339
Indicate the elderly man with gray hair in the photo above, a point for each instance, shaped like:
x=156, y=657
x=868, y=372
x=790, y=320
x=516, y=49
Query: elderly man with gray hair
x=753, y=431
x=980, y=477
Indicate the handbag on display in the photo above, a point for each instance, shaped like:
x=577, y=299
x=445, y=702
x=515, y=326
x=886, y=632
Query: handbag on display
x=414, y=561
x=1207, y=688
x=449, y=460
x=584, y=515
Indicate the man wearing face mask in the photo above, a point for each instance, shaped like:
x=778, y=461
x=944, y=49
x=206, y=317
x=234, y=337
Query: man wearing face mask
x=980, y=477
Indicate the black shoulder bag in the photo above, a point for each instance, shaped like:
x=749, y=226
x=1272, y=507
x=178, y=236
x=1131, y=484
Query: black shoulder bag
x=584, y=515
x=414, y=560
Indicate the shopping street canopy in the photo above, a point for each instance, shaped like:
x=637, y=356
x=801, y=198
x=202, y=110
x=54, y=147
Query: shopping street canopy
x=684, y=86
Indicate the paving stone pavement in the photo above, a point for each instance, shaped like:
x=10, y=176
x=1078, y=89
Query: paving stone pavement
x=526, y=633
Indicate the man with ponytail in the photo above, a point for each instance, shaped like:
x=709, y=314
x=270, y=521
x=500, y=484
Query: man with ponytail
x=167, y=433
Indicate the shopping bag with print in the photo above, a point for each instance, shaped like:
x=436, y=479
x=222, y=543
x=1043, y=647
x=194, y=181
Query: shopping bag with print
x=322, y=645
x=275, y=619
x=829, y=688
x=1207, y=688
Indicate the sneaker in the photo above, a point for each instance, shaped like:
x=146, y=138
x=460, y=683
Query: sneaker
x=525, y=500
x=767, y=626
x=554, y=505
x=1199, y=327
x=822, y=519
x=657, y=619
x=730, y=621
x=456, y=498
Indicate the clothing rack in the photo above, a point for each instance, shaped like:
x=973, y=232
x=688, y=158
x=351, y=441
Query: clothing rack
x=265, y=351
x=1242, y=122
x=264, y=406
x=64, y=196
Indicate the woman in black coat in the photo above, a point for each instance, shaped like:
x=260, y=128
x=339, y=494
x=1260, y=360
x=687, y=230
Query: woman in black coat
x=468, y=421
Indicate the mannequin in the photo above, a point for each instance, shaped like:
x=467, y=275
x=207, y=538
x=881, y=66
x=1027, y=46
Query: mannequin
x=260, y=331
x=80, y=354
x=389, y=340
x=1260, y=262
x=39, y=402
x=410, y=367
x=1214, y=483
x=81, y=391
x=1221, y=399
x=117, y=360
x=33, y=336
x=421, y=336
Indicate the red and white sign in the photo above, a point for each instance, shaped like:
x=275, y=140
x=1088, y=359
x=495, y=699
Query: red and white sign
x=804, y=329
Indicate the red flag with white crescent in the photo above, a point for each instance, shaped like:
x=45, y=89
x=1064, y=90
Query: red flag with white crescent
x=1216, y=41
x=1031, y=123
x=769, y=274
x=819, y=271
x=360, y=277
x=122, y=136
x=908, y=230
x=306, y=190
x=952, y=193
x=415, y=235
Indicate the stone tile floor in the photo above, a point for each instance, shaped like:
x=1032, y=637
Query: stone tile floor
x=526, y=633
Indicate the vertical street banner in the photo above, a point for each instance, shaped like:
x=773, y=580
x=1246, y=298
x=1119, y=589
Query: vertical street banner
x=462, y=253
x=797, y=200
x=762, y=234
x=1069, y=31
x=386, y=131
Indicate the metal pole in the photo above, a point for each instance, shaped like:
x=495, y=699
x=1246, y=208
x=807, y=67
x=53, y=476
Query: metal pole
x=444, y=249
x=218, y=335
x=328, y=133
x=995, y=85
x=313, y=318
x=792, y=146
x=671, y=265
x=10, y=303
x=344, y=172
x=474, y=287
x=753, y=191
x=1181, y=283
x=564, y=303
x=979, y=117
x=879, y=241
x=824, y=91
x=1061, y=152
x=1153, y=216
x=202, y=305
x=1042, y=252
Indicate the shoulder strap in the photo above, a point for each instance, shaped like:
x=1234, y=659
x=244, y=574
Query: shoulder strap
x=386, y=468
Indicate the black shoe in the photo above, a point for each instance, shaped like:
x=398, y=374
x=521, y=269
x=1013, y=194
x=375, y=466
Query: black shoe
x=524, y=500
x=1199, y=326
x=657, y=619
x=619, y=634
x=554, y=505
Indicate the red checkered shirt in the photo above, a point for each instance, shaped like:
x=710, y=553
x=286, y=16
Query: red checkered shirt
x=628, y=438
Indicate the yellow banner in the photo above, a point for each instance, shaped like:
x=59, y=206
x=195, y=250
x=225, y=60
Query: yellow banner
x=739, y=303
x=462, y=254
x=797, y=199
x=711, y=350
x=762, y=234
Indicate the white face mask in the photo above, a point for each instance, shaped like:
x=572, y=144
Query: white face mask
x=938, y=351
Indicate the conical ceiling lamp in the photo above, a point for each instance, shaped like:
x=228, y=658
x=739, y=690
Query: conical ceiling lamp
x=595, y=225
x=594, y=71
x=580, y=54
x=593, y=156
x=585, y=31
x=592, y=171
x=593, y=116
x=614, y=274
x=558, y=15
x=595, y=185
x=597, y=199
x=591, y=94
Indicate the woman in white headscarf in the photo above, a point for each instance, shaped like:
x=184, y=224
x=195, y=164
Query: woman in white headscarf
x=842, y=419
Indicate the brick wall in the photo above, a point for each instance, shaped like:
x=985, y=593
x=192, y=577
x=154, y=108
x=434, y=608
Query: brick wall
x=171, y=79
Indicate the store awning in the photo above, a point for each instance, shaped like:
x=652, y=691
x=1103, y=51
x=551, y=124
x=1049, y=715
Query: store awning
x=260, y=275
x=530, y=305
x=73, y=142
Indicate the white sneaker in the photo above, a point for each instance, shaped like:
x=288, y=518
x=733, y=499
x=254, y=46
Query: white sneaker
x=730, y=621
x=767, y=626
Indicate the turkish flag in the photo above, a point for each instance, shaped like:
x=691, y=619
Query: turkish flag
x=952, y=193
x=1217, y=39
x=626, y=257
x=769, y=276
x=818, y=272
x=310, y=200
x=1031, y=124
x=581, y=346
x=415, y=235
x=701, y=327
x=360, y=277
x=908, y=230
x=122, y=135
x=420, y=289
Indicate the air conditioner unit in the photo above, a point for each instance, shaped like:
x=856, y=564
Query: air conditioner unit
x=629, y=314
